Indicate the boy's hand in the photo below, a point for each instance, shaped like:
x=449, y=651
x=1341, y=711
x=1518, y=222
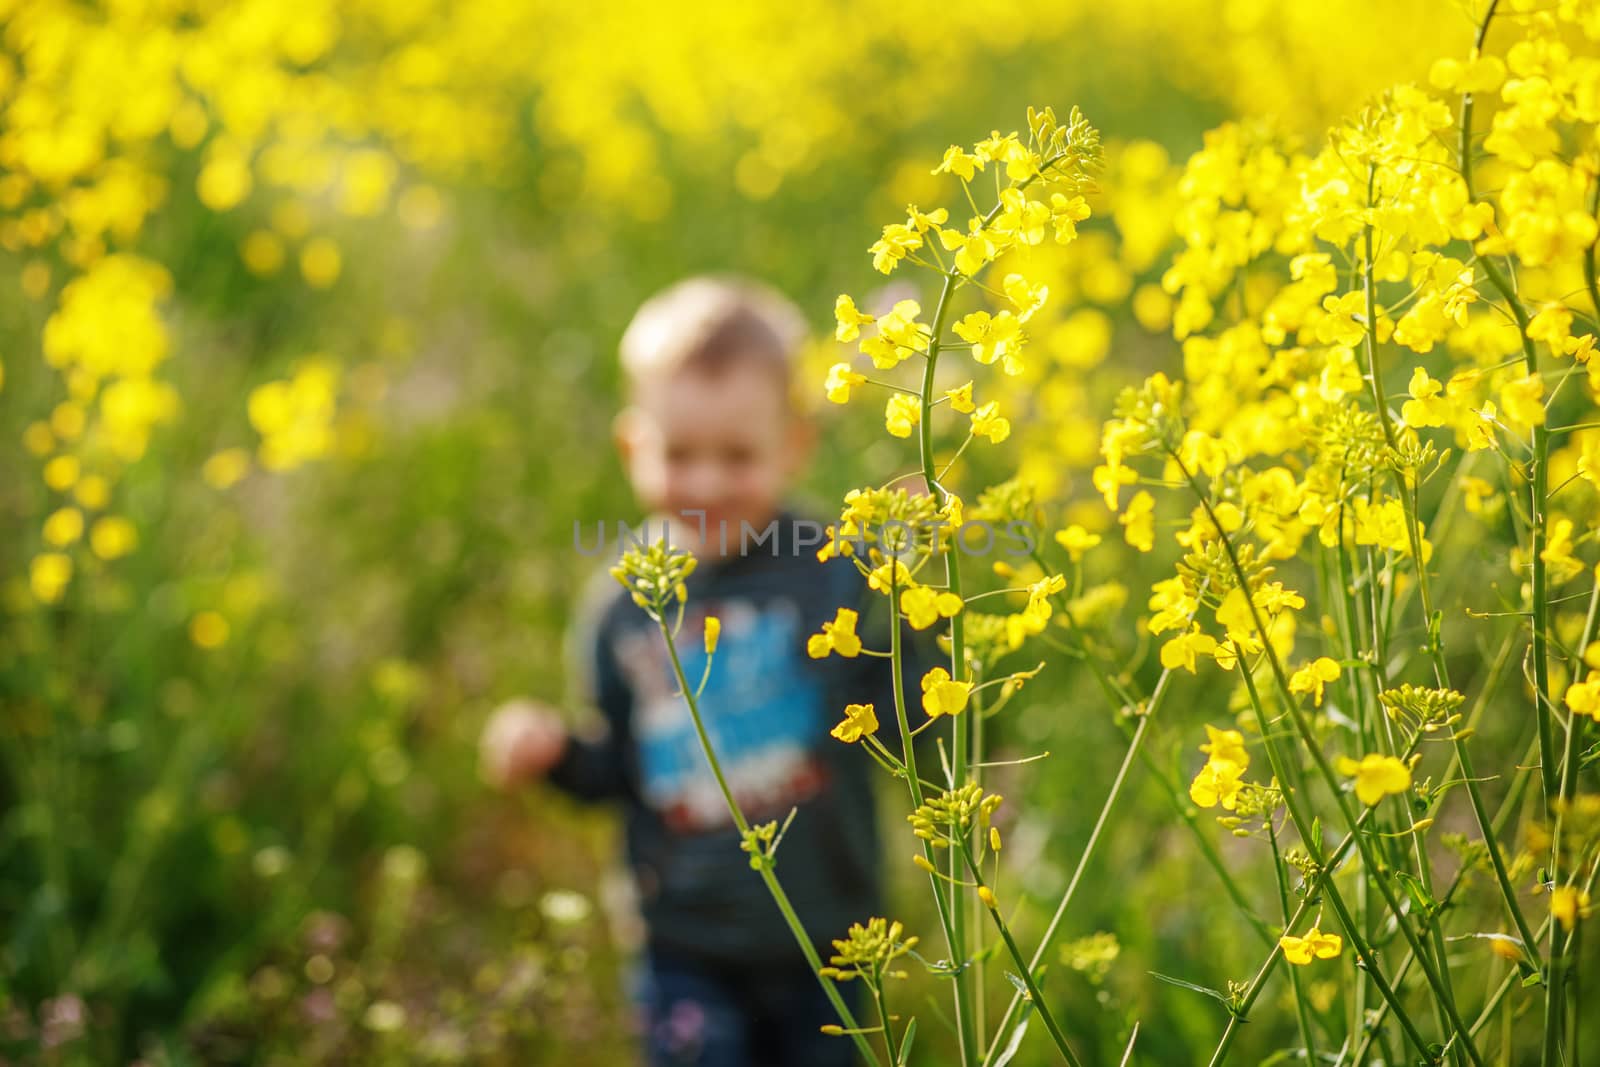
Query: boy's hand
x=522, y=740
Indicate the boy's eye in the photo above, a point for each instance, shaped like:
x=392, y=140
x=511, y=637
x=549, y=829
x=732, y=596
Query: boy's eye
x=738, y=457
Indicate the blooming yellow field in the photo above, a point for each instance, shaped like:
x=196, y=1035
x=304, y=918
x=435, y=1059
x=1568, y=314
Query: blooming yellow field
x=1276, y=322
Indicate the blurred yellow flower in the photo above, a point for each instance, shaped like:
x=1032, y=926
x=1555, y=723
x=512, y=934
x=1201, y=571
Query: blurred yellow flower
x=208, y=629
x=48, y=575
x=1076, y=540
x=225, y=468
x=320, y=262
x=1568, y=904
x=112, y=537
x=1376, y=776
x=63, y=527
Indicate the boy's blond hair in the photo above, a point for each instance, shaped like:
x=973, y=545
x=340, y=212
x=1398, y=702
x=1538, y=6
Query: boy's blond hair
x=709, y=324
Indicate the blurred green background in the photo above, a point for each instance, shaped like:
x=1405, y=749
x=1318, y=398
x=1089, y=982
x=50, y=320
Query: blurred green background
x=326, y=459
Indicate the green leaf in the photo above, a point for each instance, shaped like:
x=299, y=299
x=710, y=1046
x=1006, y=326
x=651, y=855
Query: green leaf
x=1420, y=897
x=1220, y=997
x=1016, y=1038
x=942, y=968
x=905, y=1043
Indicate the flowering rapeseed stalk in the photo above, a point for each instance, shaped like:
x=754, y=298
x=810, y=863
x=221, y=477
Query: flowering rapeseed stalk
x=1304, y=427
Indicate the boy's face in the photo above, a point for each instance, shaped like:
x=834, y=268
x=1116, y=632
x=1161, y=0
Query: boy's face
x=725, y=444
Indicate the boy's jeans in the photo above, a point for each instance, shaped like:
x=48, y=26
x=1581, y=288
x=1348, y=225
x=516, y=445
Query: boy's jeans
x=752, y=1017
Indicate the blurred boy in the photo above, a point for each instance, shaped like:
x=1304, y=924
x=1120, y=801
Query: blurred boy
x=711, y=445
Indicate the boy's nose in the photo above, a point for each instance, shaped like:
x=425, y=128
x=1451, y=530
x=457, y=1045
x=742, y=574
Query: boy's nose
x=706, y=483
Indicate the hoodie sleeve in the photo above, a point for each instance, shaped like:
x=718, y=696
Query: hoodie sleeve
x=597, y=763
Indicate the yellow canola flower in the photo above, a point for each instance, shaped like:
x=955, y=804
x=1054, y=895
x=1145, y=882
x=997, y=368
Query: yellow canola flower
x=841, y=379
x=1229, y=652
x=48, y=575
x=112, y=537
x=1426, y=407
x=1523, y=401
x=320, y=262
x=63, y=527
x=226, y=468
x=961, y=163
x=1183, y=650
x=61, y=473
x=961, y=398
x=1568, y=904
x=1313, y=677
x=92, y=491
x=1584, y=697
x=1233, y=613
x=1076, y=540
x=901, y=414
x=208, y=629
x=1226, y=745
x=836, y=636
x=1139, y=521
x=988, y=422
x=1314, y=945
x=941, y=695
x=899, y=335
x=886, y=576
x=849, y=320
x=924, y=606
x=713, y=631
x=1376, y=776
x=973, y=249
x=1217, y=783
x=1028, y=298
x=1552, y=324
x=898, y=241
x=1477, y=74
x=993, y=337
x=860, y=720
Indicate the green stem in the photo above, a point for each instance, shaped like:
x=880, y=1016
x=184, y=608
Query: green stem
x=965, y=996
x=1541, y=447
x=1117, y=785
x=1408, y=503
x=1320, y=759
x=883, y=1014
x=943, y=899
x=1247, y=1000
x=1035, y=996
x=1431, y=618
x=1512, y=799
x=1550, y=773
x=764, y=868
x=1173, y=790
x=1302, y=1012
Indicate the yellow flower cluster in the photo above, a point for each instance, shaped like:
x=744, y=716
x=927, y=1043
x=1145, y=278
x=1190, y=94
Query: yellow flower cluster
x=1048, y=175
x=1221, y=779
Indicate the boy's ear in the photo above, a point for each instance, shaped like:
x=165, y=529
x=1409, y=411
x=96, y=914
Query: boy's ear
x=625, y=433
x=802, y=441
